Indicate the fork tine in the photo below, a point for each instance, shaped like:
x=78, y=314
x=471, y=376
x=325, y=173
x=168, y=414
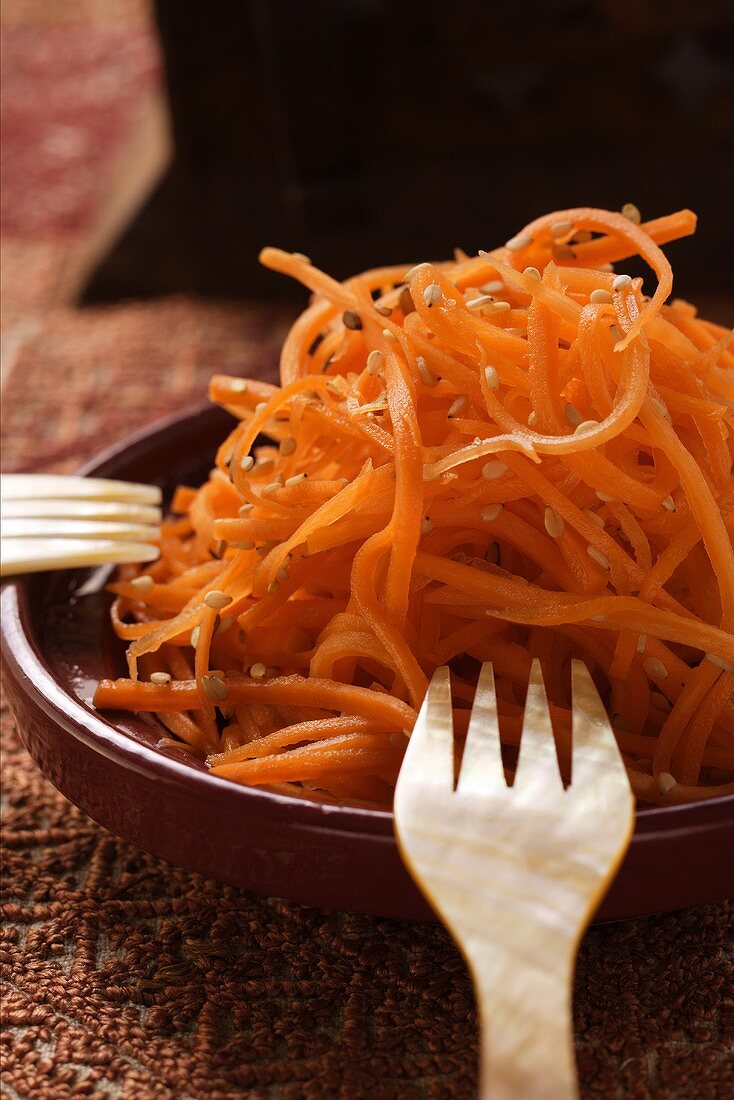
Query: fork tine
x=595, y=748
x=481, y=765
x=48, y=486
x=119, y=510
x=34, y=555
x=429, y=757
x=538, y=762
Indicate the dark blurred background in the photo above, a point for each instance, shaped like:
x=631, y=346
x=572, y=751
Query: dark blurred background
x=364, y=131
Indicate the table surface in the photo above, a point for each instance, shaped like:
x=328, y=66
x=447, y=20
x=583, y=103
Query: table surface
x=126, y=977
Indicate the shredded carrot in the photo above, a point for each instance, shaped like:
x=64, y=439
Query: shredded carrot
x=516, y=454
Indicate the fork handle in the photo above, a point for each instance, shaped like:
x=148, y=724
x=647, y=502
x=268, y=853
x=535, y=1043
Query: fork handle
x=525, y=1012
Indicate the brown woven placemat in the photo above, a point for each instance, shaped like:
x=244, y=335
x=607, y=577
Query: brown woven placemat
x=128, y=978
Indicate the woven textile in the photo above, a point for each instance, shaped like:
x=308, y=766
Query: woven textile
x=126, y=977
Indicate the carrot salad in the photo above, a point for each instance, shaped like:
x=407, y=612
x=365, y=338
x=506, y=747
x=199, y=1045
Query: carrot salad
x=511, y=455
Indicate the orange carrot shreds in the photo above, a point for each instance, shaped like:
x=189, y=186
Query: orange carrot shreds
x=523, y=453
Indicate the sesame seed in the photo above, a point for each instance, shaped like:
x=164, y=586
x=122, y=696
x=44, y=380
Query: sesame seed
x=603, y=497
x=518, y=243
x=719, y=662
x=586, y=426
x=594, y=517
x=216, y=599
x=554, y=524
x=458, y=405
x=351, y=320
x=501, y=307
x=270, y=488
x=492, y=378
x=215, y=688
x=244, y=544
x=195, y=637
x=143, y=585
x=287, y=446
x=630, y=211
x=655, y=669
x=660, y=701
x=560, y=229
x=491, y=512
x=494, y=469
x=496, y=286
x=388, y=334
x=261, y=407
x=598, y=557
x=600, y=297
x=258, y=671
x=532, y=419
x=302, y=257
x=245, y=509
x=384, y=311
x=427, y=376
x=622, y=282
x=413, y=272
x=426, y=526
x=432, y=295
x=532, y=272
x=480, y=302
x=573, y=416
x=666, y=783
x=238, y=385
x=406, y=301
x=375, y=360
x=247, y=462
x=160, y=677
x=669, y=504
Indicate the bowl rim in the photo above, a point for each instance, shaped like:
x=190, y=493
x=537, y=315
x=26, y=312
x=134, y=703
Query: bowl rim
x=23, y=654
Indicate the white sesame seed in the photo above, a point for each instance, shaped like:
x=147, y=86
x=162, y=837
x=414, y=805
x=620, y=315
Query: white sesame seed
x=594, y=517
x=622, y=282
x=719, y=662
x=296, y=480
x=479, y=303
x=492, y=378
x=258, y=671
x=666, y=783
x=600, y=297
x=573, y=416
x=238, y=385
x=160, y=677
x=532, y=419
x=427, y=376
x=660, y=701
x=641, y=643
x=270, y=488
x=215, y=688
x=216, y=599
x=432, y=295
x=245, y=509
x=388, y=335
x=560, y=229
x=585, y=426
x=491, y=512
x=195, y=637
x=598, y=557
x=631, y=212
x=495, y=286
x=669, y=504
x=532, y=272
x=554, y=524
x=375, y=359
x=603, y=497
x=300, y=256
x=501, y=307
x=247, y=462
x=261, y=407
x=143, y=585
x=518, y=243
x=351, y=320
x=494, y=469
x=384, y=311
x=655, y=669
x=458, y=405
x=287, y=446
x=426, y=526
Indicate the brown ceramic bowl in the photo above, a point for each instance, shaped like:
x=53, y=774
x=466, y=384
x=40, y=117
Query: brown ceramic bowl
x=57, y=643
